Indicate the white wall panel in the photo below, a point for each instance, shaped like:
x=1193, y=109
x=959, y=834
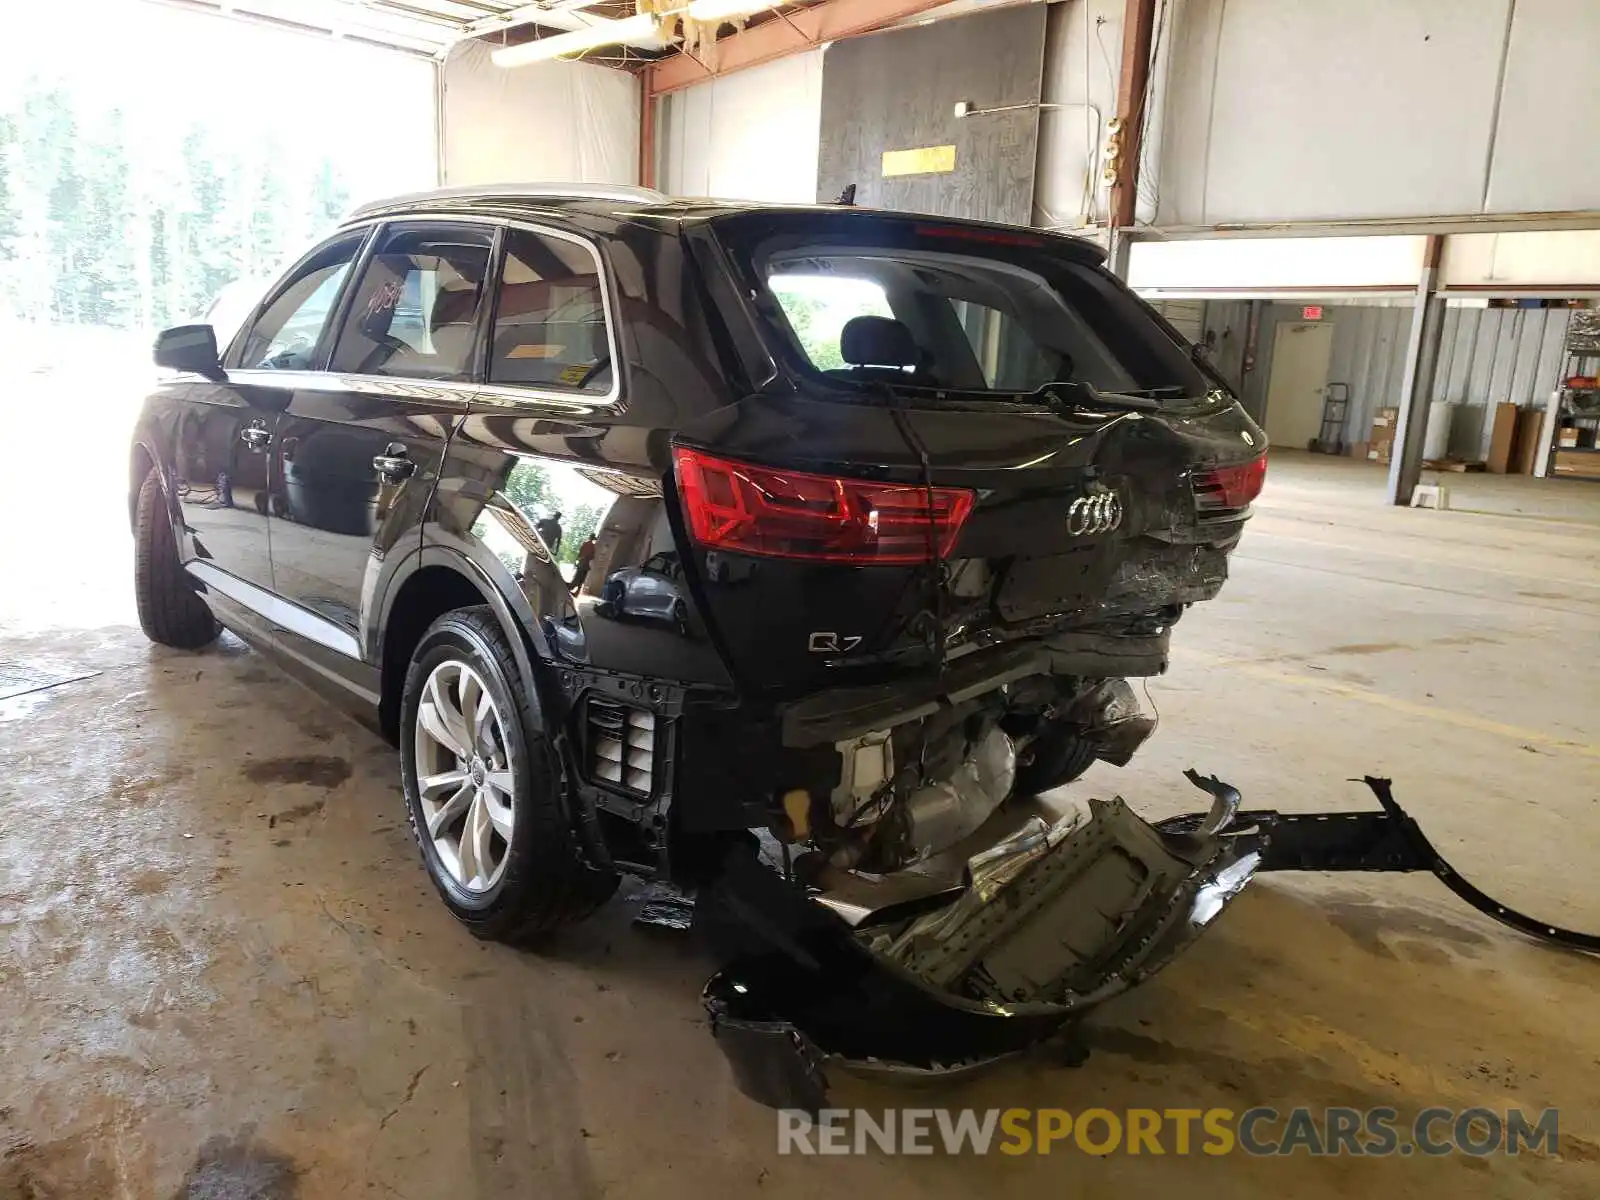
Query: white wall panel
x=1569, y=256
x=1083, y=46
x=751, y=135
x=1544, y=153
x=1321, y=110
x=565, y=121
x=1268, y=110
x=1254, y=263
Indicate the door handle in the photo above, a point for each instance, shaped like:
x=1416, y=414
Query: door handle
x=395, y=464
x=255, y=436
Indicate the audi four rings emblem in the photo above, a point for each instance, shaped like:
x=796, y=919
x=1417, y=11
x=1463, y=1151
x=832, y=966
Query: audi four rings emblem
x=1100, y=513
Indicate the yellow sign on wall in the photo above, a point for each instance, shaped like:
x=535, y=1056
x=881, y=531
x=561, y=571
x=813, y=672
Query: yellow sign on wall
x=928, y=160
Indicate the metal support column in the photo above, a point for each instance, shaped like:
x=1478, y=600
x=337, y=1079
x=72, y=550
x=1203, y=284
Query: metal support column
x=1133, y=84
x=1416, y=391
x=649, y=107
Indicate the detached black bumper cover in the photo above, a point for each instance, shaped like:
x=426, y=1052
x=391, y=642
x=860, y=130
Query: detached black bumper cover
x=1045, y=931
x=1051, y=924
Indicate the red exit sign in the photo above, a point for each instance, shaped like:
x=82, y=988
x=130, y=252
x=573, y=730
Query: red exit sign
x=1311, y=312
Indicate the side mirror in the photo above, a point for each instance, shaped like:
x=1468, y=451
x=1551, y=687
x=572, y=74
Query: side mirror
x=190, y=348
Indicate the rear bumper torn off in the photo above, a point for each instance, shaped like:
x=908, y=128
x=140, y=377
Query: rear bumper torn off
x=1051, y=922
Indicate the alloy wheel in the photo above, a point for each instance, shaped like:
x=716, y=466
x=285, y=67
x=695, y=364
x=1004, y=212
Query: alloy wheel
x=464, y=776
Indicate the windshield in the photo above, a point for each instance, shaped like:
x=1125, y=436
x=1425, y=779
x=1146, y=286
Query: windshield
x=953, y=308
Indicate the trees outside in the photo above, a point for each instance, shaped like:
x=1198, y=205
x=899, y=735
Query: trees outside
x=581, y=524
x=530, y=489
x=817, y=308
x=109, y=220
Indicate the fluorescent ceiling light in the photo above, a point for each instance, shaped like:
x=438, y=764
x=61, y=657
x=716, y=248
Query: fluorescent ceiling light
x=638, y=28
x=721, y=10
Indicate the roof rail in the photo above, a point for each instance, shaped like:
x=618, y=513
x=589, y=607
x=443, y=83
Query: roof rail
x=625, y=193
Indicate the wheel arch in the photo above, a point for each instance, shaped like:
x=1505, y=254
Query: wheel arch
x=436, y=581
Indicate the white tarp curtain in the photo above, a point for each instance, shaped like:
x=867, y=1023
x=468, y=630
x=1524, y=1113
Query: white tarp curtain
x=554, y=121
x=751, y=135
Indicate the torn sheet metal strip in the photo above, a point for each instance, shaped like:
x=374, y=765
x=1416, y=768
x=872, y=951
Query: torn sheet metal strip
x=1370, y=841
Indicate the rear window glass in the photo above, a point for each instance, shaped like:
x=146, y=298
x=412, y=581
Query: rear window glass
x=819, y=306
x=884, y=301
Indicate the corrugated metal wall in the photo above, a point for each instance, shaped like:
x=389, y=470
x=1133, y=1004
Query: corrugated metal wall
x=1495, y=355
x=1487, y=355
x=1187, y=316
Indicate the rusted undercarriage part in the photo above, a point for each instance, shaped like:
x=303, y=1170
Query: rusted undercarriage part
x=1051, y=923
x=1389, y=840
x=802, y=989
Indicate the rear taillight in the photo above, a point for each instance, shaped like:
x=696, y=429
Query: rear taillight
x=1230, y=487
x=791, y=514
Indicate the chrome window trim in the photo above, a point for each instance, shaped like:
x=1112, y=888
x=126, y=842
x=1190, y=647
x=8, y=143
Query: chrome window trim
x=622, y=193
x=399, y=387
x=275, y=608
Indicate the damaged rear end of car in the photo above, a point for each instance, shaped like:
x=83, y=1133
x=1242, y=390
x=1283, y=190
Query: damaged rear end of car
x=977, y=487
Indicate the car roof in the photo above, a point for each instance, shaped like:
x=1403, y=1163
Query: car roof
x=498, y=198
x=625, y=201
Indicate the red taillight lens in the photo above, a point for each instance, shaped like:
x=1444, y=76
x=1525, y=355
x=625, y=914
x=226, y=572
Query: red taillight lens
x=1230, y=487
x=790, y=514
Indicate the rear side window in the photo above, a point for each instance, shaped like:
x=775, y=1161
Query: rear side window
x=550, y=319
x=285, y=336
x=414, y=311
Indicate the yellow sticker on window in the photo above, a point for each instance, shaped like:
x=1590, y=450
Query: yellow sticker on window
x=536, y=350
x=928, y=160
x=574, y=375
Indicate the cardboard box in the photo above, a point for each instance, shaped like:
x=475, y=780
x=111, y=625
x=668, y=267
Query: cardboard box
x=1567, y=437
x=1503, y=439
x=1529, y=441
x=1381, y=441
x=1359, y=449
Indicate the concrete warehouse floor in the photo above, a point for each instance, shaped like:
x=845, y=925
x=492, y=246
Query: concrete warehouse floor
x=225, y=974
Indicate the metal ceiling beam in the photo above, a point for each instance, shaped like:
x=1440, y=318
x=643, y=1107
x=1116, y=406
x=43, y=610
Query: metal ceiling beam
x=781, y=36
x=418, y=44
x=1526, y=222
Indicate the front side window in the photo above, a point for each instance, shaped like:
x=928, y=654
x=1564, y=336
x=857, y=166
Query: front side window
x=285, y=335
x=414, y=311
x=550, y=317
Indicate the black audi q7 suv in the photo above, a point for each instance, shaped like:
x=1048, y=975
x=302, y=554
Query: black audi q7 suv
x=896, y=506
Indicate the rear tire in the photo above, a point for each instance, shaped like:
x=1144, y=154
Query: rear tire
x=170, y=611
x=503, y=888
x=1057, y=756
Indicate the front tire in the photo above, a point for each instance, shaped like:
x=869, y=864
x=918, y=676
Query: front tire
x=484, y=790
x=170, y=612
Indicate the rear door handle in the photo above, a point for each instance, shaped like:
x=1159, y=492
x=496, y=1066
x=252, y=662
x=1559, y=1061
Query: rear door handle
x=255, y=436
x=395, y=464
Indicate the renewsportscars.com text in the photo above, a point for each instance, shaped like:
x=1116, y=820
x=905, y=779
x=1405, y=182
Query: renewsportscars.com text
x=1260, y=1131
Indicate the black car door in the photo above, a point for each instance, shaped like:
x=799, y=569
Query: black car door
x=223, y=453
x=362, y=440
